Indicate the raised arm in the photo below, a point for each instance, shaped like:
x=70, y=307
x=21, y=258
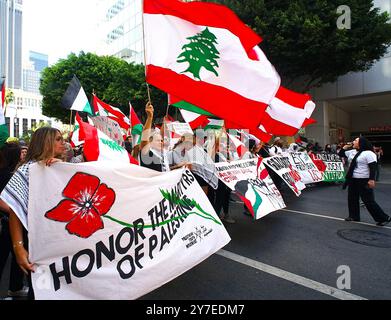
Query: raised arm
x=147, y=127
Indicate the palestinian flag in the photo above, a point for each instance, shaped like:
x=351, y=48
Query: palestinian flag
x=137, y=127
x=196, y=50
x=103, y=109
x=239, y=145
x=99, y=147
x=4, y=132
x=2, y=93
x=75, y=98
x=75, y=140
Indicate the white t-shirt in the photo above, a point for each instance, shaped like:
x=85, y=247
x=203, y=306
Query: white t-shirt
x=362, y=169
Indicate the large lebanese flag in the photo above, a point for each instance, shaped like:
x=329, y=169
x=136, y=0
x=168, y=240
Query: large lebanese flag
x=232, y=80
x=288, y=112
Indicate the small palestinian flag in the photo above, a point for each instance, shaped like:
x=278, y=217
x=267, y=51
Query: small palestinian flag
x=75, y=98
x=103, y=109
x=99, y=147
x=239, y=145
x=75, y=141
x=137, y=127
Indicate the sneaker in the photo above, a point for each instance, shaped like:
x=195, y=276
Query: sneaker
x=382, y=224
x=20, y=293
x=349, y=219
x=228, y=219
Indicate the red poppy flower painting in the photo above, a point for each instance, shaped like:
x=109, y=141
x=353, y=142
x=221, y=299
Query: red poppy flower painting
x=86, y=201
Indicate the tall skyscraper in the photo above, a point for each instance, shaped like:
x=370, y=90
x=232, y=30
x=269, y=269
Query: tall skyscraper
x=120, y=29
x=32, y=71
x=11, y=16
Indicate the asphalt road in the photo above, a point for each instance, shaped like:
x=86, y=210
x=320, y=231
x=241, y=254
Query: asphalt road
x=294, y=254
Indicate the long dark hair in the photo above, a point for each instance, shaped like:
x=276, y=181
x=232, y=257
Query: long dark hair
x=10, y=156
x=364, y=144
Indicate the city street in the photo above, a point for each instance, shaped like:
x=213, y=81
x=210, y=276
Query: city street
x=294, y=253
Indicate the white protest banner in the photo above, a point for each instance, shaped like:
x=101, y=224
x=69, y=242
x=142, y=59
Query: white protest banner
x=332, y=166
x=282, y=166
x=302, y=163
x=109, y=127
x=179, y=128
x=261, y=193
x=103, y=230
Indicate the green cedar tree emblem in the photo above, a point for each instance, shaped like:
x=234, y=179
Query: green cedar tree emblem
x=200, y=52
x=111, y=144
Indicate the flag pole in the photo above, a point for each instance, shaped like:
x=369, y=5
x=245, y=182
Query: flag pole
x=70, y=120
x=145, y=55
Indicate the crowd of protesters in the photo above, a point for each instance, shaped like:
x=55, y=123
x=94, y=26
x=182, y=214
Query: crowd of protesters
x=197, y=154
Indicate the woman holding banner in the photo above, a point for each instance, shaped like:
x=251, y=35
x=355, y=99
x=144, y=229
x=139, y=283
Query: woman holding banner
x=46, y=147
x=360, y=179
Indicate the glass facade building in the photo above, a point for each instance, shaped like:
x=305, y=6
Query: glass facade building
x=11, y=16
x=40, y=60
x=120, y=29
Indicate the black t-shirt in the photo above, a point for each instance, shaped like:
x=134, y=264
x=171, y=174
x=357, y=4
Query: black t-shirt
x=5, y=176
x=151, y=161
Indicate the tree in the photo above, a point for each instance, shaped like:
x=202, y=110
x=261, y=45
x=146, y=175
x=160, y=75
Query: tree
x=9, y=97
x=200, y=52
x=302, y=40
x=114, y=81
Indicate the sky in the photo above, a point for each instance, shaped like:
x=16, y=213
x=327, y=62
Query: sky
x=59, y=27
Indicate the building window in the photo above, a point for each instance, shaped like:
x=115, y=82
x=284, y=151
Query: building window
x=33, y=124
x=16, y=127
x=25, y=126
x=7, y=122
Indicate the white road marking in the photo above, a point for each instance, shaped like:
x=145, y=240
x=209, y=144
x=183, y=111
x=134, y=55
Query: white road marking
x=305, y=282
x=333, y=218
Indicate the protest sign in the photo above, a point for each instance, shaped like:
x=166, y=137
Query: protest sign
x=333, y=168
x=251, y=183
x=118, y=233
x=303, y=164
x=284, y=169
x=179, y=128
x=109, y=127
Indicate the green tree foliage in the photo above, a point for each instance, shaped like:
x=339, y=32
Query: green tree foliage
x=301, y=38
x=115, y=82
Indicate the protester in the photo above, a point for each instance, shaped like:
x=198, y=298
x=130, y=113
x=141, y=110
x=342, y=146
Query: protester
x=379, y=155
x=10, y=154
x=360, y=179
x=317, y=147
x=327, y=148
x=223, y=192
x=46, y=147
x=186, y=153
x=23, y=152
x=151, y=147
x=128, y=144
x=293, y=147
x=276, y=148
